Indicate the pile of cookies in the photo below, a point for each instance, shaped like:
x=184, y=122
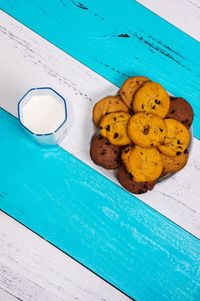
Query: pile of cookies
x=143, y=132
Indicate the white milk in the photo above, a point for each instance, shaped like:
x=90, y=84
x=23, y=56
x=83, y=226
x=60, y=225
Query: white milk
x=43, y=114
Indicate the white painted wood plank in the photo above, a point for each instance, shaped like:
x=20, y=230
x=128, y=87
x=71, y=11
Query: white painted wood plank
x=32, y=269
x=32, y=61
x=6, y=296
x=184, y=14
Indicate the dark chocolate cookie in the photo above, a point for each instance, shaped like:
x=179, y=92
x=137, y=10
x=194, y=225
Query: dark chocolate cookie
x=105, y=154
x=180, y=110
x=126, y=180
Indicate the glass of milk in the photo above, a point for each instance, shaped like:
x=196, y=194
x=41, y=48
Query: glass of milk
x=43, y=114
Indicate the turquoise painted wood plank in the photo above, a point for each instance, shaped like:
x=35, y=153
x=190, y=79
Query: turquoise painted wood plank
x=108, y=230
x=118, y=39
x=125, y=242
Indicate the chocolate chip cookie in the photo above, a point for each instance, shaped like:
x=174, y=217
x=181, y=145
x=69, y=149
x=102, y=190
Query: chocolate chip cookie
x=104, y=154
x=113, y=126
x=151, y=98
x=181, y=110
x=129, y=87
x=107, y=105
x=177, y=139
x=127, y=181
x=144, y=164
x=146, y=130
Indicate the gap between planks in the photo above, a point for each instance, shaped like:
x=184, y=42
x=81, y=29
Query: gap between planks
x=32, y=269
x=177, y=198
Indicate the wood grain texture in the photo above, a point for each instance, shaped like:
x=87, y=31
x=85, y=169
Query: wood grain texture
x=138, y=43
x=6, y=296
x=133, y=247
x=32, y=269
x=185, y=14
x=111, y=232
x=82, y=87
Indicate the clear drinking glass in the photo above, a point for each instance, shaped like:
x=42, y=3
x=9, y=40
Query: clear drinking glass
x=43, y=113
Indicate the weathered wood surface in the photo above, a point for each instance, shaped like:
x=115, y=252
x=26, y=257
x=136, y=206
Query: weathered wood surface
x=33, y=270
x=62, y=74
x=82, y=87
x=185, y=14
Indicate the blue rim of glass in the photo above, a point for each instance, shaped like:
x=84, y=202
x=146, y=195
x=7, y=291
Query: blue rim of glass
x=41, y=88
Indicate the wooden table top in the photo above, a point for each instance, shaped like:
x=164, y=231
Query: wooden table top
x=146, y=246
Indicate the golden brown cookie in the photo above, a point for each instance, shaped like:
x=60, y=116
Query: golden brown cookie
x=107, y=105
x=151, y=98
x=174, y=164
x=125, y=155
x=146, y=130
x=113, y=127
x=126, y=180
x=129, y=87
x=177, y=139
x=144, y=164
